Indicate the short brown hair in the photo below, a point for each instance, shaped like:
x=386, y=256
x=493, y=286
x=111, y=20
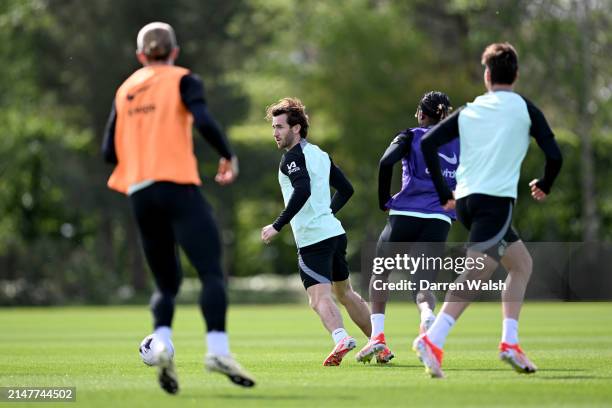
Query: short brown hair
x=156, y=41
x=502, y=61
x=295, y=110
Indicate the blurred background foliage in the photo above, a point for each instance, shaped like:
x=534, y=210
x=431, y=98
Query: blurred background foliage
x=360, y=66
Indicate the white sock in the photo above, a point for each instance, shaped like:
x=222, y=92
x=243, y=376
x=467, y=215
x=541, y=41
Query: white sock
x=439, y=329
x=378, y=324
x=164, y=333
x=217, y=343
x=339, y=334
x=426, y=312
x=510, y=331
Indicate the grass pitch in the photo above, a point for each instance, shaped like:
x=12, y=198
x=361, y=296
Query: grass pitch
x=95, y=349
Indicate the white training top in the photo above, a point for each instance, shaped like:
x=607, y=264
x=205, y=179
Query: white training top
x=494, y=139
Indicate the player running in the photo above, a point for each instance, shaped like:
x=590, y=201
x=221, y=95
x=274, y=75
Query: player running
x=494, y=134
x=305, y=175
x=415, y=214
x=149, y=139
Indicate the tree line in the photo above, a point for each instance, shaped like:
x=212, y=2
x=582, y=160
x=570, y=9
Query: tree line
x=360, y=66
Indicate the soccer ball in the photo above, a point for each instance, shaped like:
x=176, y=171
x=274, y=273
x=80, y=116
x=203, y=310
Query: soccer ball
x=150, y=349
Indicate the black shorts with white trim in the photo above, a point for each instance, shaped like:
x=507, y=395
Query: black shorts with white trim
x=489, y=220
x=324, y=261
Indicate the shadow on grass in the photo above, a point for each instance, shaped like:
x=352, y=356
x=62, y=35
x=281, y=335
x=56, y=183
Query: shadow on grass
x=563, y=370
x=393, y=365
x=575, y=377
x=544, y=370
x=475, y=369
x=542, y=373
x=283, y=397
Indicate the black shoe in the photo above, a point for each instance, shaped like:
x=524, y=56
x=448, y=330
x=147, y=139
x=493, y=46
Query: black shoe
x=168, y=379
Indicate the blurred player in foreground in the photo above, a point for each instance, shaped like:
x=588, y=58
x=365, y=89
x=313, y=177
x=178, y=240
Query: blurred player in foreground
x=149, y=139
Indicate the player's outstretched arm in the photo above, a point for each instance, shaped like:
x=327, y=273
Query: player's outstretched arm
x=108, y=144
x=294, y=167
x=536, y=192
x=227, y=170
x=301, y=194
x=192, y=95
x=544, y=136
x=399, y=147
x=344, y=188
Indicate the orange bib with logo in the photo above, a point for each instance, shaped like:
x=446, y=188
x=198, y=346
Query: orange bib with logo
x=153, y=130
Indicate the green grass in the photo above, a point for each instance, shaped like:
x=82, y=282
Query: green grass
x=95, y=349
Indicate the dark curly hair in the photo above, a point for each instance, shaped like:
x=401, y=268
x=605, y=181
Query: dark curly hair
x=436, y=105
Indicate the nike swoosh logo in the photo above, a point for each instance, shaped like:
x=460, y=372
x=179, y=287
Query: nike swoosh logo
x=449, y=160
x=133, y=95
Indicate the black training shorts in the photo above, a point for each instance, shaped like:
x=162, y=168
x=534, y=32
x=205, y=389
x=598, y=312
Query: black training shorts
x=323, y=262
x=489, y=220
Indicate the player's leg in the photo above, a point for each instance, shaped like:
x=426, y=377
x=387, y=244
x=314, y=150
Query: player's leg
x=354, y=304
x=160, y=252
x=197, y=233
x=359, y=312
x=321, y=301
x=456, y=301
x=315, y=266
x=398, y=229
x=394, y=231
x=489, y=220
x=379, y=297
x=431, y=244
x=429, y=346
x=518, y=263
